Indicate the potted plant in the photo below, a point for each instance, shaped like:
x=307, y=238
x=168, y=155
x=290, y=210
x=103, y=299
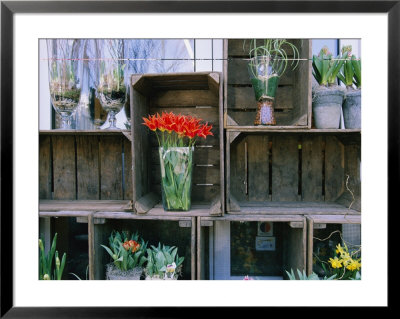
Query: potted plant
x=350, y=75
x=128, y=256
x=176, y=136
x=46, y=269
x=163, y=263
x=268, y=62
x=327, y=95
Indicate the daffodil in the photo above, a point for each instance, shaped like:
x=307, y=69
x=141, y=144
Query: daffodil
x=339, y=249
x=335, y=263
x=355, y=264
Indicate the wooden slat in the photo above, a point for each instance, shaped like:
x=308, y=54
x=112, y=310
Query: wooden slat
x=336, y=219
x=77, y=206
x=127, y=169
x=311, y=170
x=258, y=168
x=45, y=167
x=334, y=168
x=184, y=98
x=244, y=98
x=285, y=160
x=237, y=169
x=295, y=248
x=64, y=168
x=352, y=169
x=290, y=208
x=140, y=136
x=88, y=178
x=91, y=244
x=111, y=167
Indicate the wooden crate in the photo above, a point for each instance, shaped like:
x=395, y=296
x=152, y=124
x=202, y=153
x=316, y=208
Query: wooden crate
x=196, y=94
x=317, y=222
x=72, y=239
x=293, y=172
x=85, y=166
x=293, y=100
x=169, y=230
x=290, y=250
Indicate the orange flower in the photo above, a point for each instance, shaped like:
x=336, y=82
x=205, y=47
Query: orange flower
x=133, y=245
x=204, y=130
x=151, y=122
x=126, y=245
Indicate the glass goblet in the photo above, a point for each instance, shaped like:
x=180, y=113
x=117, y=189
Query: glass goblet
x=65, y=89
x=111, y=89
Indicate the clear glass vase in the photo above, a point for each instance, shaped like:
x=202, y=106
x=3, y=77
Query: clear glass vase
x=264, y=74
x=176, y=177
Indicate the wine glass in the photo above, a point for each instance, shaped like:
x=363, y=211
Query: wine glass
x=65, y=73
x=111, y=89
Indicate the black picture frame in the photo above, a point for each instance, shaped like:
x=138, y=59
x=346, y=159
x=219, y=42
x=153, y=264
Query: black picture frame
x=9, y=8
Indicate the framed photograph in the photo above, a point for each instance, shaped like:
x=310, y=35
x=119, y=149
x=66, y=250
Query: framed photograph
x=41, y=160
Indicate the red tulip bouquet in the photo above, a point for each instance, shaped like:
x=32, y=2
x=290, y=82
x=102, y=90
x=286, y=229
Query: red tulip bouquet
x=176, y=135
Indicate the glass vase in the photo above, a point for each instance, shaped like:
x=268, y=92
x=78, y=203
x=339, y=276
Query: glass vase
x=264, y=75
x=176, y=177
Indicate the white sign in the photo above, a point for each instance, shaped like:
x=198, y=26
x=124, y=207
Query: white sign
x=265, y=243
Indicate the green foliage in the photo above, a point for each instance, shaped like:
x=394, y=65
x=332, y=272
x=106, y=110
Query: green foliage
x=351, y=70
x=347, y=72
x=326, y=68
x=303, y=276
x=356, y=63
x=124, y=251
x=163, y=261
x=275, y=51
x=46, y=270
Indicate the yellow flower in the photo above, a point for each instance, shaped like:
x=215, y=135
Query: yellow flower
x=354, y=265
x=339, y=249
x=335, y=263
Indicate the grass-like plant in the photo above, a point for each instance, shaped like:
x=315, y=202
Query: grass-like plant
x=326, y=68
x=275, y=50
x=303, y=276
x=46, y=270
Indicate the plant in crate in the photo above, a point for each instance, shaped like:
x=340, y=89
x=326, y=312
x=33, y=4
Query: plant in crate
x=176, y=135
x=163, y=263
x=46, y=269
x=344, y=265
x=327, y=95
x=128, y=256
x=350, y=75
x=268, y=62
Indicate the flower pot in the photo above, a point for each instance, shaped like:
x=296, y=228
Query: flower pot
x=264, y=78
x=352, y=109
x=114, y=273
x=327, y=106
x=176, y=177
x=157, y=277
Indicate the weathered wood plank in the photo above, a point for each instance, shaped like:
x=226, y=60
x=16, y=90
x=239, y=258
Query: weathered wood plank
x=353, y=173
x=64, y=167
x=258, y=167
x=74, y=207
x=311, y=170
x=184, y=98
x=238, y=178
x=334, y=168
x=88, y=175
x=127, y=169
x=140, y=136
x=91, y=244
x=295, y=248
x=147, y=202
x=285, y=161
x=45, y=178
x=243, y=98
x=111, y=167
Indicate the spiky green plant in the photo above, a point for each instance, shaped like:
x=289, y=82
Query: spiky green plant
x=275, y=51
x=46, y=271
x=303, y=276
x=356, y=63
x=326, y=68
x=163, y=261
x=346, y=73
x=124, y=255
